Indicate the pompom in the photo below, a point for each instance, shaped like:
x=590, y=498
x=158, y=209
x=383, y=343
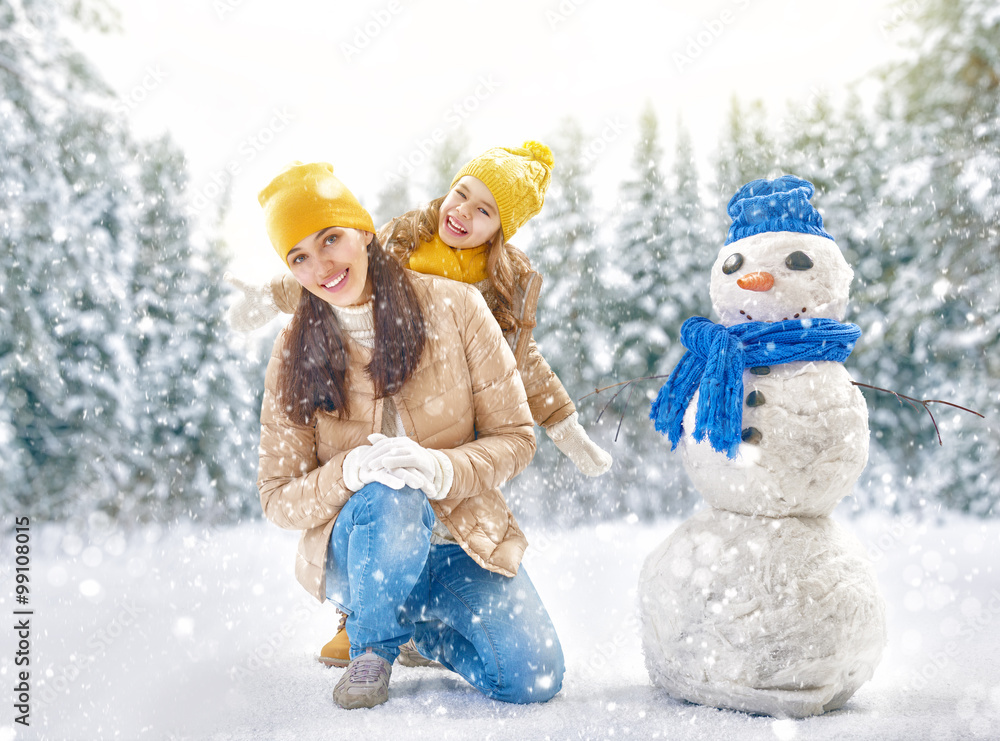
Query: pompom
x=540, y=152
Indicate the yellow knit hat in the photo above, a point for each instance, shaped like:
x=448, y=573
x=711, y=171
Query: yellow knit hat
x=303, y=199
x=517, y=177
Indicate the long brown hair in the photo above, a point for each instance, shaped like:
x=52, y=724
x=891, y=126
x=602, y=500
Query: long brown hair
x=505, y=263
x=313, y=372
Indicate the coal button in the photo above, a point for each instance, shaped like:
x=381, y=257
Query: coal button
x=755, y=399
x=752, y=436
x=760, y=370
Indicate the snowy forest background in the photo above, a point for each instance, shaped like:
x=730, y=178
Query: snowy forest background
x=125, y=397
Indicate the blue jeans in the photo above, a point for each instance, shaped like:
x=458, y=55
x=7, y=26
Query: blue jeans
x=384, y=573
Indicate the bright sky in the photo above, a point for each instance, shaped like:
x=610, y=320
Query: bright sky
x=246, y=86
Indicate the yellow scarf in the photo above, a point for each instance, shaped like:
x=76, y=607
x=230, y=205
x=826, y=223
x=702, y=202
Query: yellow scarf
x=437, y=258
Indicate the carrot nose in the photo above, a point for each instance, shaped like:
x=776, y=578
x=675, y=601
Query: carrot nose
x=756, y=281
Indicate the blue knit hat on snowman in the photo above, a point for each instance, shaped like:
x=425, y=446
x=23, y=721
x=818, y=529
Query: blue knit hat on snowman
x=779, y=205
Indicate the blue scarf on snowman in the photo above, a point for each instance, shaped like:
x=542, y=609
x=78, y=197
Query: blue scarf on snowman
x=714, y=365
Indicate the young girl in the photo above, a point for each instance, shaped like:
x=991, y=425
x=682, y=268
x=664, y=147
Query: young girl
x=392, y=413
x=464, y=236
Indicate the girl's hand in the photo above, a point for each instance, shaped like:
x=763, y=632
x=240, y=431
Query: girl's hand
x=573, y=442
x=255, y=309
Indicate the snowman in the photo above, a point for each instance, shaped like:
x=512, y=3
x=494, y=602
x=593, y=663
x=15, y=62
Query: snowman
x=761, y=602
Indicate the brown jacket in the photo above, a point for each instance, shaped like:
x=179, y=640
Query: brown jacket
x=547, y=398
x=465, y=398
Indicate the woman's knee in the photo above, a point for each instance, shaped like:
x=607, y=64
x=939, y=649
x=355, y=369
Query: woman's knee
x=531, y=673
x=376, y=502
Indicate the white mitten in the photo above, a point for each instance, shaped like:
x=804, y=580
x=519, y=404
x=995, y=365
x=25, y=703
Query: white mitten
x=392, y=479
x=573, y=442
x=352, y=468
x=357, y=473
x=407, y=462
x=397, y=478
x=402, y=452
x=255, y=309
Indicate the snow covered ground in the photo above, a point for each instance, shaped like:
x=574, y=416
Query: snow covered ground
x=206, y=635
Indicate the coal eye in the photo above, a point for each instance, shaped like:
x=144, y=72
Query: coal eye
x=798, y=261
x=733, y=263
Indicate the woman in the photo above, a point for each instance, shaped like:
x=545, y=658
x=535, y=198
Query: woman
x=392, y=413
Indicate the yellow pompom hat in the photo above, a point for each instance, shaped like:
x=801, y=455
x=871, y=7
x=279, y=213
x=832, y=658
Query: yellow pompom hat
x=517, y=177
x=303, y=199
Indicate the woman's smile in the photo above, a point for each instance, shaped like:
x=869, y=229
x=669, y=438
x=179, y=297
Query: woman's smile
x=337, y=281
x=333, y=265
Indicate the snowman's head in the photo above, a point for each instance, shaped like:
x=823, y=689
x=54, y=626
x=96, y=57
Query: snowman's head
x=778, y=262
x=774, y=276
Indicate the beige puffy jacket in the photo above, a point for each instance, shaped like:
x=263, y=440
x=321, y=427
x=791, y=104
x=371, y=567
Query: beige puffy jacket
x=547, y=397
x=465, y=398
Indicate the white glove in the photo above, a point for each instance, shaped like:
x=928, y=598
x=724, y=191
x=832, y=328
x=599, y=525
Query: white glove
x=357, y=473
x=400, y=461
x=255, y=309
x=352, y=468
x=573, y=442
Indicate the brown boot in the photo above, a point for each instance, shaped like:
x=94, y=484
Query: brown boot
x=338, y=651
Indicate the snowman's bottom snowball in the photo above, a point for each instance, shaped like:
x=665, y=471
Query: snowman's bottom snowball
x=774, y=616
